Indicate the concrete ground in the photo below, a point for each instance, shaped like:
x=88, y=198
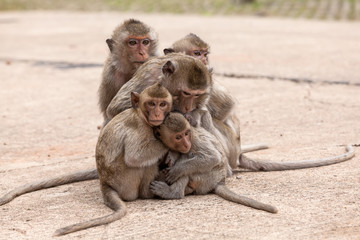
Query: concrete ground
x=298, y=87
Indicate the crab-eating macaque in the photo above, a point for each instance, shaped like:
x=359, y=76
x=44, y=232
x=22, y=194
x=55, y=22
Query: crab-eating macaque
x=131, y=44
x=220, y=105
x=200, y=166
x=127, y=154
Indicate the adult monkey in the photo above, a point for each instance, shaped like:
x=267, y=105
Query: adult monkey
x=220, y=106
x=127, y=154
x=131, y=44
x=199, y=168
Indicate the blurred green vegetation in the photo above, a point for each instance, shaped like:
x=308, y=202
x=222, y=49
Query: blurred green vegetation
x=319, y=9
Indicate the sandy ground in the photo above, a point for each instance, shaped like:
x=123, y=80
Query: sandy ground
x=51, y=64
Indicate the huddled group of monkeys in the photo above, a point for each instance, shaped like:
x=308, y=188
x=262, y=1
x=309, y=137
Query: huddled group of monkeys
x=169, y=130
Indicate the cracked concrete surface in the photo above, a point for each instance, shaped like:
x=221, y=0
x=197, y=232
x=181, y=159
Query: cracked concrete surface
x=51, y=64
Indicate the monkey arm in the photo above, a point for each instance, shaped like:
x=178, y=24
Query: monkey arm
x=119, y=103
x=202, y=158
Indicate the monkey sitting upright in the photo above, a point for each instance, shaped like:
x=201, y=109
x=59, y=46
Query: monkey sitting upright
x=199, y=168
x=131, y=44
x=127, y=153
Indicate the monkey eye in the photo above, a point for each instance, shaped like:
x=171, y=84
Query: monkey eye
x=132, y=42
x=187, y=133
x=163, y=104
x=197, y=53
x=206, y=53
x=186, y=93
x=151, y=104
x=178, y=137
x=145, y=42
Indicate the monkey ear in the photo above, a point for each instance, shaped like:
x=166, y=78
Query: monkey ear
x=211, y=69
x=168, y=68
x=168, y=50
x=110, y=44
x=135, y=97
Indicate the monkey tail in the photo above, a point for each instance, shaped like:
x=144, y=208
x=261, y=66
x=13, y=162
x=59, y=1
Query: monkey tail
x=246, y=162
x=222, y=191
x=116, y=204
x=49, y=183
x=253, y=147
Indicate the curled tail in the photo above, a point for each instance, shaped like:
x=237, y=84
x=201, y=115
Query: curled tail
x=113, y=200
x=248, y=163
x=227, y=194
x=49, y=183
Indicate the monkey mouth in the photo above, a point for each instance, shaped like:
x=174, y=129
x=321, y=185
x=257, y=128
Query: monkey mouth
x=140, y=62
x=155, y=122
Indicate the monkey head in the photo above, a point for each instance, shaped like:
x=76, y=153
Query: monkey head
x=154, y=103
x=175, y=133
x=193, y=46
x=132, y=43
x=188, y=80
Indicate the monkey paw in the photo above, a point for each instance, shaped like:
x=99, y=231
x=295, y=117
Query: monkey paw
x=160, y=189
x=190, y=119
x=172, y=176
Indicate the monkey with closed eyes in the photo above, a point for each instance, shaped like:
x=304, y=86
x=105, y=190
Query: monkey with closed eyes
x=199, y=167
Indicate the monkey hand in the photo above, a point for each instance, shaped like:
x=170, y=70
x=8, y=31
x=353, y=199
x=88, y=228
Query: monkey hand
x=171, y=159
x=190, y=119
x=173, y=175
x=159, y=188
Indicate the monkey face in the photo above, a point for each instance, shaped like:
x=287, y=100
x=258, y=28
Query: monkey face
x=176, y=141
x=138, y=48
x=187, y=99
x=201, y=54
x=156, y=109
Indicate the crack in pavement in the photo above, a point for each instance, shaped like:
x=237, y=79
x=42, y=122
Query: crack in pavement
x=66, y=65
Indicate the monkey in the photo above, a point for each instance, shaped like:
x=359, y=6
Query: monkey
x=127, y=154
x=200, y=166
x=220, y=104
x=131, y=44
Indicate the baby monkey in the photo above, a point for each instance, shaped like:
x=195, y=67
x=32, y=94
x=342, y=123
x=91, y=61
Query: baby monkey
x=198, y=165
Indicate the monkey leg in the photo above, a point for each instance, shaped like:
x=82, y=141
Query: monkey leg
x=49, y=183
x=222, y=191
x=112, y=200
x=174, y=191
x=248, y=163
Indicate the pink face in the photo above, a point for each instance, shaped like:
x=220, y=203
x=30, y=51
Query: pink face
x=201, y=54
x=156, y=109
x=187, y=99
x=139, y=47
x=181, y=141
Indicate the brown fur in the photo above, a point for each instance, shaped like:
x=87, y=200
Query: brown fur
x=200, y=171
x=127, y=154
x=121, y=64
x=176, y=72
